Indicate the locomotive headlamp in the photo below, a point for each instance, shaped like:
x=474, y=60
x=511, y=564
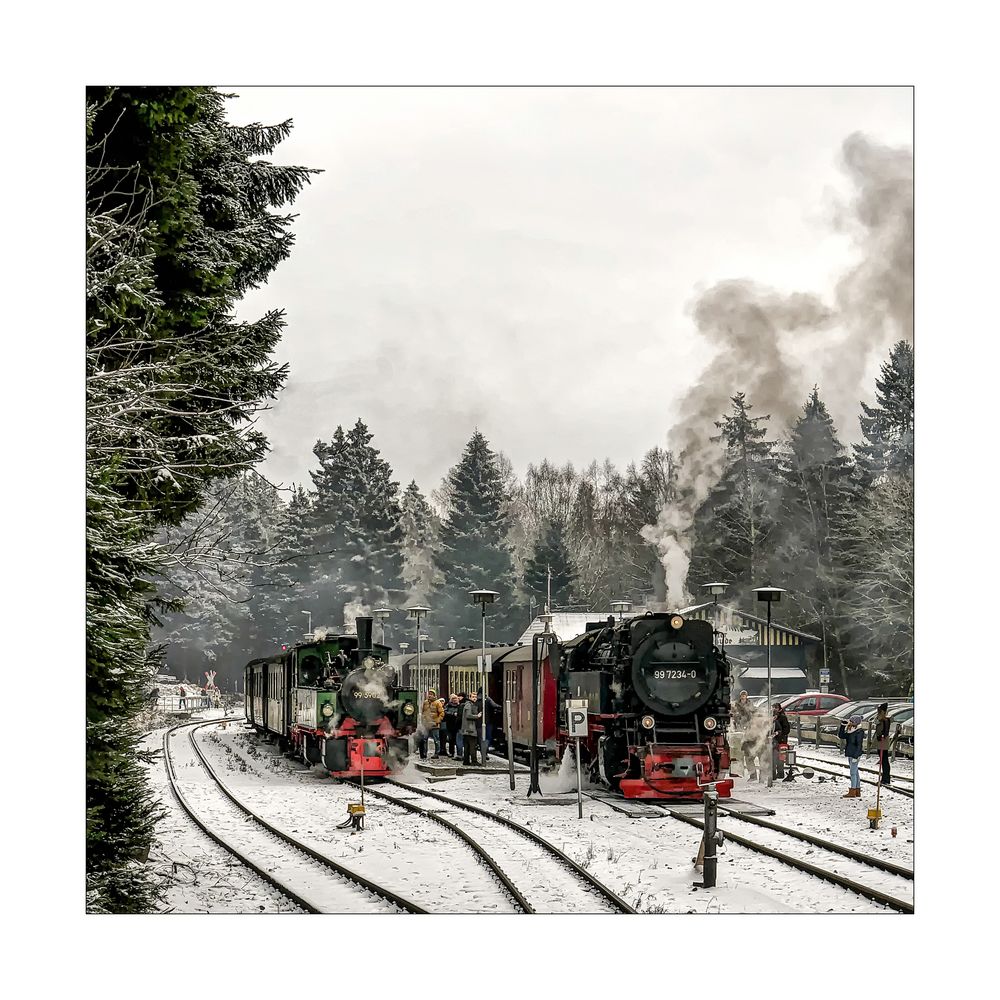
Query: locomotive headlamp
x=647, y=722
x=676, y=621
x=327, y=710
x=710, y=724
x=368, y=662
x=408, y=708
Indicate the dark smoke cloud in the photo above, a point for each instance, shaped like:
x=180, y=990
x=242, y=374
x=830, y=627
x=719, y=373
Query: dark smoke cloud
x=748, y=324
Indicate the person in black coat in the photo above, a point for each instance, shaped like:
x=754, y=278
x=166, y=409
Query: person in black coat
x=882, y=726
x=452, y=720
x=780, y=730
x=491, y=712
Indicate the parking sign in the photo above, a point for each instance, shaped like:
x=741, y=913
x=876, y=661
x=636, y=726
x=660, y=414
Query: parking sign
x=576, y=716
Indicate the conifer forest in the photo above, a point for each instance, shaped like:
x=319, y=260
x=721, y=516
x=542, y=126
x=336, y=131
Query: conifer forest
x=195, y=560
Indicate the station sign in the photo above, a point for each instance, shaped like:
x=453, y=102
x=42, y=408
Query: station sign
x=576, y=716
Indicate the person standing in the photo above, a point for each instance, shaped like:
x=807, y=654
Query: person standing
x=782, y=727
x=853, y=736
x=460, y=735
x=489, y=707
x=471, y=717
x=882, y=726
x=742, y=713
x=431, y=714
x=183, y=694
x=452, y=720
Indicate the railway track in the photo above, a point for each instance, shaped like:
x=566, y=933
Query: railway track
x=837, y=855
x=311, y=880
x=537, y=875
x=815, y=764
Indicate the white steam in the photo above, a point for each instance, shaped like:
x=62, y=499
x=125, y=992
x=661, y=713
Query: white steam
x=750, y=324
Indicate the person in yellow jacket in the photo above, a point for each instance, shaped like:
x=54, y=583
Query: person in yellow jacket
x=431, y=716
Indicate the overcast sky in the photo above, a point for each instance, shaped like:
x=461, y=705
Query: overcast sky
x=523, y=260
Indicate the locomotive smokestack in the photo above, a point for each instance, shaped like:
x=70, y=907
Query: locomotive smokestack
x=363, y=626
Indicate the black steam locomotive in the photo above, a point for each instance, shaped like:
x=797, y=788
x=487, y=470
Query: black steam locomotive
x=658, y=690
x=335, y=701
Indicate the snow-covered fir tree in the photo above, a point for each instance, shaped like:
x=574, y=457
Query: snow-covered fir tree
x=474, y=552
x=179, y=226
x=733, y=527
x=887, y=427
x=811, y=536
x=356, y=538
x=420, y=527
x=550, y=564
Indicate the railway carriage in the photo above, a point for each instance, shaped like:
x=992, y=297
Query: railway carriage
x=452, y=671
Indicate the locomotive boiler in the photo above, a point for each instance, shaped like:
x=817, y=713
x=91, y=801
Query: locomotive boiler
x=658, y=691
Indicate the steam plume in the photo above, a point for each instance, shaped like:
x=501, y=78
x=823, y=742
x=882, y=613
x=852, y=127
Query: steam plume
x=874, y=308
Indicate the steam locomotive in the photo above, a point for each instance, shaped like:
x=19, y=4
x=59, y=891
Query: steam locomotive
x=658, y=692
x=335, y=701
x=657, y=688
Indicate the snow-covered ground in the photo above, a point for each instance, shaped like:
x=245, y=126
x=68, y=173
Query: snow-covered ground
x=646, y=861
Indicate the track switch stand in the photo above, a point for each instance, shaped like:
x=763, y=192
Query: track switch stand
x=710, y=839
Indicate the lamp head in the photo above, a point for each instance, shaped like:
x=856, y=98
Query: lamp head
x=483, y=596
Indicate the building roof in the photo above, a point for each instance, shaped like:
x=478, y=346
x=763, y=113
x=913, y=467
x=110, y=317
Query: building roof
x=568, y=624
x=760, y=673
x=746, y=616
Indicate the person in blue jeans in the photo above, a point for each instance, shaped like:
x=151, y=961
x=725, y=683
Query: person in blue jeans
x=853, y=736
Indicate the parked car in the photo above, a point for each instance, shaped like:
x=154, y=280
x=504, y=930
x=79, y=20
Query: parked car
x=903, y=739
x=814, y=704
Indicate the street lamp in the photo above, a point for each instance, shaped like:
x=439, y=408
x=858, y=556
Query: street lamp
x=452, y=644
x=310, y=614
x=403, y=647
x=482, y=598
x=715, y=589
x=415, y=613
x=620, y=607
x=769, y=595
x=380, y=614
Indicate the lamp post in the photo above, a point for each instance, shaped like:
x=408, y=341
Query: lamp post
x=620, y=607
x=715, y=589
x=415, y=613
x=452, y=644
x=482, y=598
x=310, y=614
x=536, y=641
x=380, y=614
x=769, y=595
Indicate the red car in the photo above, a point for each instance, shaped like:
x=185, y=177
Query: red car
x=814, y=704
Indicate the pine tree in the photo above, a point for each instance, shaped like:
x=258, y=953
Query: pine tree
x=817, y=505
x=550, y=553
x=178, y=228
x=732, y=528
x=356, y=533
x=420, y=528
x=887, y=428
x=474, y=553
x=286, y=590
x=881, y=598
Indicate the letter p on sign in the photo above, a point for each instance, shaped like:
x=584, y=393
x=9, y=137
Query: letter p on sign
x=576, y=716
